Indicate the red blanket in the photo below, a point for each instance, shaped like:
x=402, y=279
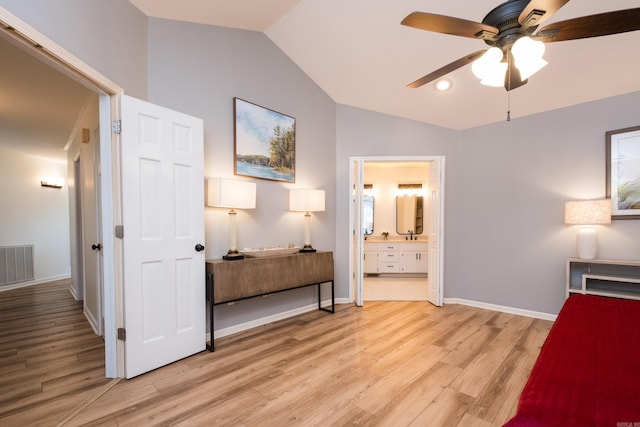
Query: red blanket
x=588, y=371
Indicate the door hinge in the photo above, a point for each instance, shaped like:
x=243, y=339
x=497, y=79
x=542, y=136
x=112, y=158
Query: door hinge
x=119, y=231
x=116, y=126
x=122, y=334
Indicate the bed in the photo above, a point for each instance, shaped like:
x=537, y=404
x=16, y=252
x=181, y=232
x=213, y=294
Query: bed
x=588, y=371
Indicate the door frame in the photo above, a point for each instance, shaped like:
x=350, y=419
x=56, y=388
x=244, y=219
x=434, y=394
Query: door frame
x=34, y=42
x=356, y=239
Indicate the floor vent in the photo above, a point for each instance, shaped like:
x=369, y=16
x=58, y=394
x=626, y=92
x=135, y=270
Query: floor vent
x=16, y=264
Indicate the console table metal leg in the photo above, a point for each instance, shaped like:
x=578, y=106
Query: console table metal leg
x=320, y=307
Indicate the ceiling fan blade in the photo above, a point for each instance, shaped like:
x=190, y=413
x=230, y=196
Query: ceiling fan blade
x=447, y=69
x=602, y=24
x=448, y=25
x=538, y=11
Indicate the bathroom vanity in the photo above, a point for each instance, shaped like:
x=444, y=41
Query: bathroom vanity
x=402, y=256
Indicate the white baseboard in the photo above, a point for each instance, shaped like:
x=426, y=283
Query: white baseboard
x=34, y=282
x=502, y=308
x=219, y=333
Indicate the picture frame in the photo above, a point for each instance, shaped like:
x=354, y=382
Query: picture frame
x=264, y=142
x=623, y=172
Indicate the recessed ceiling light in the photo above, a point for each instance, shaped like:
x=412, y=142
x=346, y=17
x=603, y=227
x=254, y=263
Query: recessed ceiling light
x=443, y=84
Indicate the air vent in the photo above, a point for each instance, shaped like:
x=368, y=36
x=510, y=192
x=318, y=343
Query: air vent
x=16, y=264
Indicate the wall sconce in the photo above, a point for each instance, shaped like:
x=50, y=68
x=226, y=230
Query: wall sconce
x=227, y=193
x=52, y=182
x=409, y=189
x=587, y=212
x=368, y=190
x=306, y=200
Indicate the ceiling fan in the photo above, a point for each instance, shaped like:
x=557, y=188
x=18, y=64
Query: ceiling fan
x=510, y=26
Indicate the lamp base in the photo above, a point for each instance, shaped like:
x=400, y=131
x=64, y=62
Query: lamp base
x=307, y=249
x=587, y=243
x=233, y=255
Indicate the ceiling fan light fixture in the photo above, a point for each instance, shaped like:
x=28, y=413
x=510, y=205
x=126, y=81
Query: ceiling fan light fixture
x=527, y=55
x=489, y=68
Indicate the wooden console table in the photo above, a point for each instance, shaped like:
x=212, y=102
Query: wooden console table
x=230, y=281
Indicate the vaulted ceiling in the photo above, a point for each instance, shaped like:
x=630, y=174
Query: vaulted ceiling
x=360, y=55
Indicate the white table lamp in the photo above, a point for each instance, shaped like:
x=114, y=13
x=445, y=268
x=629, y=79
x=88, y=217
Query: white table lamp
x=306, y=200
x=587, y=212
x=227, y=193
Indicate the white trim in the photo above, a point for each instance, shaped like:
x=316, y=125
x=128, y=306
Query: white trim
x=219, y=333
x=502, y=308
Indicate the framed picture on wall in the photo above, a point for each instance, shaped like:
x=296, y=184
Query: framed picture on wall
x=264, y=142
x=623, y=172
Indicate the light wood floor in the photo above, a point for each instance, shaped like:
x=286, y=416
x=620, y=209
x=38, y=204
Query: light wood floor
x=389, y=364
x=396, y=288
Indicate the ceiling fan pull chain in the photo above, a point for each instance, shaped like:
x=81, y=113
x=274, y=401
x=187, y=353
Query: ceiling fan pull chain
x=509, y=86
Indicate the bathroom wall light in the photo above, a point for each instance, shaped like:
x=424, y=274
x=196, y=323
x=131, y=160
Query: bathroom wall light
x=587, y=212
x=227, y=193
x=52, y=182
x=306, y=200
x=409, y=189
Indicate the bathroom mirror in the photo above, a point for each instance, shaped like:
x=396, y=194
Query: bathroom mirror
x=409, y=213
x=367, y=215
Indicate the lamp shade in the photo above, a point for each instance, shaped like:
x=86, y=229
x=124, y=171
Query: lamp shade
x=587, y=212
x=228, y=193
x=306, y=200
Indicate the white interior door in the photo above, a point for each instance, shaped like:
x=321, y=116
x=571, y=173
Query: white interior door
x=163, y=218
x=91, y=240
x=436, y=206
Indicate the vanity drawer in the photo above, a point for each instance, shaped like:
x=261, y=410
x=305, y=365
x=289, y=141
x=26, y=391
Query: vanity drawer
x=389, y=246
x=388, y=267
x=384, y=256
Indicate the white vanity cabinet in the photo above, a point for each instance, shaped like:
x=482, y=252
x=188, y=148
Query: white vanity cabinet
x=395, y=257
x=370, y=262
x=414, y=257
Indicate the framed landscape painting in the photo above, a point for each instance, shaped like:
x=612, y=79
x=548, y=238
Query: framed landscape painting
x=623, y=172
x=265, y=142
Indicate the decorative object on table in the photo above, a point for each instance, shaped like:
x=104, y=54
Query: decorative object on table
x=587, y=212
x=264, y=141
x=231, y=194
x=272, y=251
x=306, y=200
x=385, y=235
x=623, y=172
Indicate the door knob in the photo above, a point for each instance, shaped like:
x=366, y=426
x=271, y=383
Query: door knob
x=199, y=247
x=96, y=247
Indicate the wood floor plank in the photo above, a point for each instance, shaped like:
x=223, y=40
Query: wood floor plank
x=387, y=364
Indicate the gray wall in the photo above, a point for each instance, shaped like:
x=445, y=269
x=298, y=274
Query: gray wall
x=506, y=183
x=199, y=69
x=505, y=242
x=365, y=133
x=512, y=181
x=110, y=36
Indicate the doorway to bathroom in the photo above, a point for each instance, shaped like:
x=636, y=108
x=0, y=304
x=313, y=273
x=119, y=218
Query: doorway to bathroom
x=396, y=216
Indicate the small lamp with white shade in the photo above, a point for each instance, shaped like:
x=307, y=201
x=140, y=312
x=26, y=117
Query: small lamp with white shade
x=587, y=212
x=306, y=200
x=232, y=194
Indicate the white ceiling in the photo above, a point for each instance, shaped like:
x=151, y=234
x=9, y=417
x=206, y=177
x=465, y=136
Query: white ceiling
x=39, y=106
x=359, y=54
